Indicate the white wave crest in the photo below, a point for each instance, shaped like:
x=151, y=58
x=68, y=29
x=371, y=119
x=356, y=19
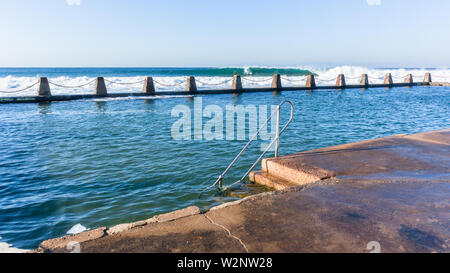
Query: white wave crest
x=72, y=85
x=353, y=74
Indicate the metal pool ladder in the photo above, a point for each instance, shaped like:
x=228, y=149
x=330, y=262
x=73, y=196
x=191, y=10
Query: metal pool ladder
x=279, y=132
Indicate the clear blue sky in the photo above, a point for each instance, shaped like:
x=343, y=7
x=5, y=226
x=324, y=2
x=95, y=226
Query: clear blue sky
x=413, y=33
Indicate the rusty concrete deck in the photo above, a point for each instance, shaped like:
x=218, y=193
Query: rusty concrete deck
x=394, y=191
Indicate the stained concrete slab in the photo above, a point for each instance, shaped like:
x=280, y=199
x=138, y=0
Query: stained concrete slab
x=185, y=235
x=393, y=191
x=439, y=137
x=177, y=214
x=62, y=242
x=345, y=216
x=420, y=157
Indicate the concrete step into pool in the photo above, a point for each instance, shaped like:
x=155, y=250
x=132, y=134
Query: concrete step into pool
x=420, y=156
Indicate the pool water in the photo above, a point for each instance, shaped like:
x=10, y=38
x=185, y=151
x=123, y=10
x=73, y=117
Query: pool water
x=105, y=162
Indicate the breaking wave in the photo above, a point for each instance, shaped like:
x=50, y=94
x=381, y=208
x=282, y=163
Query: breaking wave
x=174, y=79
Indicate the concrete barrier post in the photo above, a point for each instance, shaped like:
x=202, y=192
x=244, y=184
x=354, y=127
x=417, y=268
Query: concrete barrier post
x=340, y=81
x=149, y=86
x=409, y=79
x=388, y=79
x=100, y=87
x=364, y=80
x=311, y=82
x=191, y=86
x=276, y=82
x=237, y=83
x=44, y=88
x=427, y=78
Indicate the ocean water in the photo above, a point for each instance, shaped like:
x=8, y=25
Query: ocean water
x=93, y=163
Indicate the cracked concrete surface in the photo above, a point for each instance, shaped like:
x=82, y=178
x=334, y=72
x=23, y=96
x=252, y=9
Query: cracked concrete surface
x=405, y=208
x=228, y=232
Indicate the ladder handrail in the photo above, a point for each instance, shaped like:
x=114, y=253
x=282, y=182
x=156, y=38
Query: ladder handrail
x=276, y=140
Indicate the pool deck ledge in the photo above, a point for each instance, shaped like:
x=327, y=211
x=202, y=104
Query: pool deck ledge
x=392, y=192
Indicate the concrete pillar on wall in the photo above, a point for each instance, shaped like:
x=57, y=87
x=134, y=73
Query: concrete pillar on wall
x=276, y=82
x=388, y=79
x=409, y=79
x=100, y=87
x=44, y=87
x=311, y=81
x=427, y=78
x=237, y=83
x=191, y=86
x=340, y=81
x=364, y=80
x=149, y=86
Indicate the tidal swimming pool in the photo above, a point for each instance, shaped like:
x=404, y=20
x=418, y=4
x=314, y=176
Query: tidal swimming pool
x=105, y=162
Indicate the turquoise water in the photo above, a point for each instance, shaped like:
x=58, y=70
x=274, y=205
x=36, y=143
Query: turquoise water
x=154, y=71
x=104, y=162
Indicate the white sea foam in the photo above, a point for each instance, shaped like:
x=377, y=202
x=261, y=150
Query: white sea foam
x=7, y=248
x=78, y=228
x=353, y=74
x=118, y=84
